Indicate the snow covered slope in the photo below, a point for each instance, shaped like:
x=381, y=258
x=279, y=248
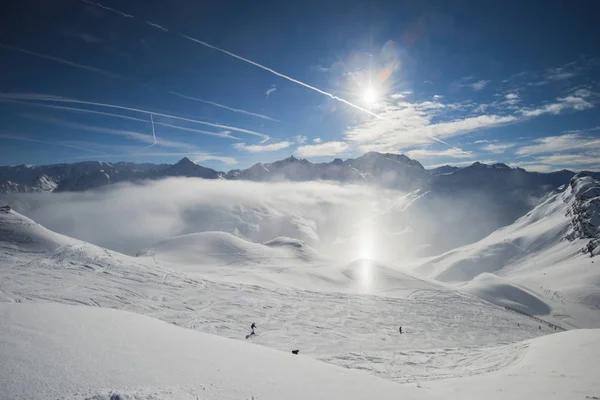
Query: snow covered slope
x=221, y=248
x=21, y=233
x=542, y=263
x=58, y=351
x=342, y=315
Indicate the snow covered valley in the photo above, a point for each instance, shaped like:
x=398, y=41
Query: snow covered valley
x=79, y=321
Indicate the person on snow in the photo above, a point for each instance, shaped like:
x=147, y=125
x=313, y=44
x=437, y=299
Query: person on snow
x=252, y=327
x=400, y=330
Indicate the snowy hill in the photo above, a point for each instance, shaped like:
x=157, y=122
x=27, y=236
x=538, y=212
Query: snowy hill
x=155, y=360
x=224, y=249
x=541, y=264
x=21, y=233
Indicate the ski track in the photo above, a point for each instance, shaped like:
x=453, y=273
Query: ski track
x=465, y=336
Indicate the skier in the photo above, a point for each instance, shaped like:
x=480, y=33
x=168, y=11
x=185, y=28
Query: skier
x=400, y=330
x=252, y=327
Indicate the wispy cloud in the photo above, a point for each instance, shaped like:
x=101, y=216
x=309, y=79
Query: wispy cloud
x=237, y=110
x=49, y=98
x=272, y=71
x=317, y=140
x=554, y=144
x=269, y=91
x=576, y=101
x=222, y=134
x=447, y=153
x=406, y=124
x=485, y=141
x=258, y=148
x=322, y=149
x=61, y=60
x=57, y=143
x=477, y=86
x=128, y=134
x=498, y=148
x=300, y=139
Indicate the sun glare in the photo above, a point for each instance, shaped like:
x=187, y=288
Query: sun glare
x=370, y=96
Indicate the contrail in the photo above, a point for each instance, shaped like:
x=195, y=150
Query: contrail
x=279, y=74
x=60, y=60
x=153, y=132
x=117, y=76
x=96, y=112
x=50, y=143
x=237, y=110
x=108, y=8
x=115, y=106
x=157, y=26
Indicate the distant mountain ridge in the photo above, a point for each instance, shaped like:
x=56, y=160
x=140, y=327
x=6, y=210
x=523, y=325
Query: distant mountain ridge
x=389, y=170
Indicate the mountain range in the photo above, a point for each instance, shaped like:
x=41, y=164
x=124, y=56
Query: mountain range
x=388, y=170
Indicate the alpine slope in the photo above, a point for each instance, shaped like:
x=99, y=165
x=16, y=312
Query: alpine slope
x=78, y=321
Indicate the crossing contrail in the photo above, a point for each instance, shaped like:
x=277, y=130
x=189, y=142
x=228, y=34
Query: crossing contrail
x=272, y=71
x=127, y=117
x=113, y=75
x=37, y=97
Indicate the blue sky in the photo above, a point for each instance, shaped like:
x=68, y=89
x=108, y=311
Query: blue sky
x=229, y=84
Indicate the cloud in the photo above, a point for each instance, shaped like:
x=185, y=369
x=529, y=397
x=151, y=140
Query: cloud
x=317, y=140
x=257, y=148
x=437, y=97
x=498, y=148
x=300, y=139
x=571, y=159
x=49, y=98
x=534, y=166
x=447, y=153
x=127, y=134
x=198, y=158
x=453, y=163
x=485, y=141
x=575, y=101
x=269, y=91
x=477, y=86
x=512, y=98
x=553, y=144
x=322, y=149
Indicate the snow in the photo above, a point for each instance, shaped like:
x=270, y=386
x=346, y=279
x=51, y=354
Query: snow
x=21, y=233
x=57, y=351
x=77, y=352
x=78, y=321
x=539, y=263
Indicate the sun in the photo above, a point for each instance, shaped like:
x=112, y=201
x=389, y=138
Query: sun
x=370, y=96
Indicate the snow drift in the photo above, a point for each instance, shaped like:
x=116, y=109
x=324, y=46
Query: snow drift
x=542, y=263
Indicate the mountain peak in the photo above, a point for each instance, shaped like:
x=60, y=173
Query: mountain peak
x=185, y=161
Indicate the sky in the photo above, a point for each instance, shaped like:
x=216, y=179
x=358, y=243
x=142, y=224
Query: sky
x=232, y=83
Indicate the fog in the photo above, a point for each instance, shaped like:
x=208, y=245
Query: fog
x=342, y=222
